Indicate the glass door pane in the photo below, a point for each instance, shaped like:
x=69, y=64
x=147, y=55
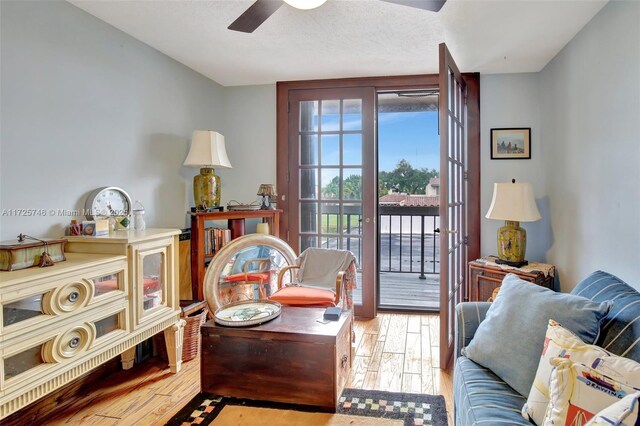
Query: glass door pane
x=332, y=178
x=453, y=140
x=153, y=281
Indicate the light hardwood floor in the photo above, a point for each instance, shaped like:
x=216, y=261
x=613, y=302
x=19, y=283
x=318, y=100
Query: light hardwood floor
x=394, y=352
x=399, y=353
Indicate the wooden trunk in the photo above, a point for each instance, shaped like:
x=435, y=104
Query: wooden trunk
x=293, y=359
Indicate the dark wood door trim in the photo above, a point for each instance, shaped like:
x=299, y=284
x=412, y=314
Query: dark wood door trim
x=474, y=214
x=472, y=80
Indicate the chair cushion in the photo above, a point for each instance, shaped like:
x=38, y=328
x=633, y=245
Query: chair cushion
x=304, y=296
x=481, y=398
x=510, y=339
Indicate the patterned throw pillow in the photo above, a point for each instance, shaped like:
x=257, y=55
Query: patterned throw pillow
x=578, y=392
x=623, y=412
x=560, y=342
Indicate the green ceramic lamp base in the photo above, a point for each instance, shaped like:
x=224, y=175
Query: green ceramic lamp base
x=512, y=244
x=206, y=189
x=514, y=264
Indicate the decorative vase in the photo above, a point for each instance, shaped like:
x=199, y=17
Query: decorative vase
x=206, y=189
x=512, y=242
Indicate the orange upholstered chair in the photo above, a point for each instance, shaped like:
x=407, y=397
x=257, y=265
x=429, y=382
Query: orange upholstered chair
x=260, y=276
x=325, y=277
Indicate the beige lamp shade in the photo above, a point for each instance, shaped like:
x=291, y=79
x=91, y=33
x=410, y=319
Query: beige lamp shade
x=513, y=201
x=207, y=149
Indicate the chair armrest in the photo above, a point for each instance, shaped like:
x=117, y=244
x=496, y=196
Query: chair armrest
x=339, y=279
x=261, y=264
x=469, y=315
x=284, y=271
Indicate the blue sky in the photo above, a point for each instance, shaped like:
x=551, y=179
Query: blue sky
x=409, y=135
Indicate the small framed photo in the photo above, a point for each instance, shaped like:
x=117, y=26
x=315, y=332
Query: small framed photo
x=511, y=144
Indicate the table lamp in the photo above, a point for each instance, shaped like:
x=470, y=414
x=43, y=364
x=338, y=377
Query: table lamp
x=207, y=151
x=514, y=203
x=266, y=190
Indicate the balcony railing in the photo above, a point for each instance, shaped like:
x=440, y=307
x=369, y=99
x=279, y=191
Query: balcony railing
x=409, y=239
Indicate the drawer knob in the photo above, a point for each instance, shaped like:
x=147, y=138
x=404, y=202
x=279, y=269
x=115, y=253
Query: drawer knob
x=343, y=361
x=74, y=342
x=73, y=297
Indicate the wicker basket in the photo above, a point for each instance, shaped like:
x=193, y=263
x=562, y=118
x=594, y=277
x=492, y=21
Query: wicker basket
x=192, y=337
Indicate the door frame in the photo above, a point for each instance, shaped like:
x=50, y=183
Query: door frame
x=368, y=254
x=407, y=82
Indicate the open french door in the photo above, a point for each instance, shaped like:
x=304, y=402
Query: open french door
x=453, y=223
x=331, y=178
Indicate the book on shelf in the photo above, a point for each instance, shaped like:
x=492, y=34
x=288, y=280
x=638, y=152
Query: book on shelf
x=215, y=239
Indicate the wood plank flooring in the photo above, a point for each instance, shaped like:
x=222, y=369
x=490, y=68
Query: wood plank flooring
x=394, y=352
x=399, y=353
x=406, y=290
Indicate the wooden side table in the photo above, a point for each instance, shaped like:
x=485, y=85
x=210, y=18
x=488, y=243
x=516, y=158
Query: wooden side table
x=485, y=276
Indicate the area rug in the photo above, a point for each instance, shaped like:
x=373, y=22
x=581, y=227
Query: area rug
x=411, y=409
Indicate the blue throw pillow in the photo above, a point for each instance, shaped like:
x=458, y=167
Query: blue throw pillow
x=510, y=339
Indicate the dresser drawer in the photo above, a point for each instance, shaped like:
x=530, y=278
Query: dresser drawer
x=33, y=304
x=29, y=357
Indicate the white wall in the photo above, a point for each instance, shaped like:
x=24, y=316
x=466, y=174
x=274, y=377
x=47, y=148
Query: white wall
x=584, y=110
x=250, y=138
x=85, y=105
x=512, y=100
x=590, y=103
x=250, y=117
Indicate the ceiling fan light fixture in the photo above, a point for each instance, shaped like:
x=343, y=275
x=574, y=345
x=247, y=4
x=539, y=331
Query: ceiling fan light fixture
x=305, y=4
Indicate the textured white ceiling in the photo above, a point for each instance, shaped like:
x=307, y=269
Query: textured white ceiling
x=349, y=38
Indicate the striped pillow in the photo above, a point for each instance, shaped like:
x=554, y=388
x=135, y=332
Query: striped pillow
x=620, y=329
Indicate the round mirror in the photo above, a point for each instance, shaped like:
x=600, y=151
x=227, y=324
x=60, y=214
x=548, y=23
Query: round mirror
x=246, y=269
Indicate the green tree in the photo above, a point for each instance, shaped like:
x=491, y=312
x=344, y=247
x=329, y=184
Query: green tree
x=404, y=178
x=352, y=189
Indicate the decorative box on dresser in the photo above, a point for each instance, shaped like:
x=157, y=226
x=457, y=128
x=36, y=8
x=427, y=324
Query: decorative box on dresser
x=111, y=293
x=485, y=275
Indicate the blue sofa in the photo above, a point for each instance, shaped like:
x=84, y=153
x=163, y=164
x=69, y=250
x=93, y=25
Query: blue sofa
x=482, y=398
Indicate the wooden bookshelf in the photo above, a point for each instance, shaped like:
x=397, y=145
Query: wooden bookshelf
x=198, y=255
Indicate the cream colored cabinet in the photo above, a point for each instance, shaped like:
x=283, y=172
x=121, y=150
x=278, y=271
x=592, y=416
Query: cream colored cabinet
x=60, y=322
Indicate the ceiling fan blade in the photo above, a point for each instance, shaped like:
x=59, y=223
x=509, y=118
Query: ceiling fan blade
x=253, y=17
x=432, y=5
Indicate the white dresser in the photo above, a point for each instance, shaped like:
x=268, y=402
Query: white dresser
x=60, y=322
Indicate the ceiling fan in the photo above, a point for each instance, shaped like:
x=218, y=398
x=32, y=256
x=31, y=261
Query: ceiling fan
x=259, y=11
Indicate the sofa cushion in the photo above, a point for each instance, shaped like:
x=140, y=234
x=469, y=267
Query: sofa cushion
x=620, y=331
x=510, y=339
x=481, y=398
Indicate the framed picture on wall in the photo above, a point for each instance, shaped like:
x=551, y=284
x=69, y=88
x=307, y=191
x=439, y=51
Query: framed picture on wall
x=511, y=143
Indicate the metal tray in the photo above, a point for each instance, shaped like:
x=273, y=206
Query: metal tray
x=241, y=207
x=242, y=314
